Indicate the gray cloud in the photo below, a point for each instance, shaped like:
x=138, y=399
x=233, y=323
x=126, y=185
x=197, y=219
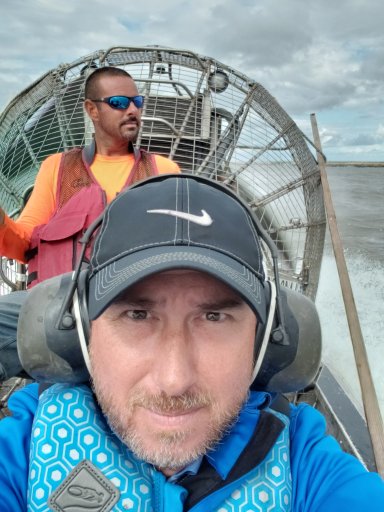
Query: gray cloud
x=313, y=56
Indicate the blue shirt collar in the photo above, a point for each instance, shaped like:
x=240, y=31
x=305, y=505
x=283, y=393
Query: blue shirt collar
x=191, y=469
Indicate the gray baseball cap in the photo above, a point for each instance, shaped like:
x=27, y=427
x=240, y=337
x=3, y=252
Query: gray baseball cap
x=173, y=222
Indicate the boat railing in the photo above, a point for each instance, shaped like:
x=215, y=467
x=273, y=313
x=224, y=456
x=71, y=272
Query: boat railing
x=13, y=276
x=368, y=390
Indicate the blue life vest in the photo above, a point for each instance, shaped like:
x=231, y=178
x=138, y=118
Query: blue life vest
x=77, y=463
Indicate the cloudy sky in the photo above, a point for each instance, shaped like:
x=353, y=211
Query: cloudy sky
x=321, y=56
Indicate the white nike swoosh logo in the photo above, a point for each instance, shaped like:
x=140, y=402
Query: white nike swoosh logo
x=203, y=220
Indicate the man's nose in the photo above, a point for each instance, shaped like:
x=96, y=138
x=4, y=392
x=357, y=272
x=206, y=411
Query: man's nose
x=132, y=108
x=174, y=365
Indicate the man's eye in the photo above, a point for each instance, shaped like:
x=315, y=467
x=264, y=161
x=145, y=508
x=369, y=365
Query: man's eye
x=137, y=314
x=213, y=316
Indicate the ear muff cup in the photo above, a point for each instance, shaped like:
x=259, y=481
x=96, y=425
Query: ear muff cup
x=294, y=365
x=49, y=354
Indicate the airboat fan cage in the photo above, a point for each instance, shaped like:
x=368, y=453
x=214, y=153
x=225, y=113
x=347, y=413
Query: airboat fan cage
x=209, y=118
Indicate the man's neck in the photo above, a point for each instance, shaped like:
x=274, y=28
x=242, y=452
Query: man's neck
x=107, y=148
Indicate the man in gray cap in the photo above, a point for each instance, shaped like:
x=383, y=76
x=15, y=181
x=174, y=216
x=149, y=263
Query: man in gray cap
x=180, y=412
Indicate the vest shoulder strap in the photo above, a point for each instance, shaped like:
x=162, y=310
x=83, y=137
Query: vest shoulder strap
x=281, y=404
x=72, y=177
x=207, y=480
x=144, y=167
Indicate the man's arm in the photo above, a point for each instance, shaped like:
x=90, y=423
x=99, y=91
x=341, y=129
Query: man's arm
x=15, y=236
x=14, y=240
x=325, y=479
x=15, y=436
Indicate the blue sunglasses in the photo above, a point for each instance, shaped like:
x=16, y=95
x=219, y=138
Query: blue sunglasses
x=122, y=102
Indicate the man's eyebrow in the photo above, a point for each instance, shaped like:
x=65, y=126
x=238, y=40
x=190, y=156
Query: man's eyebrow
x=220, y=304
x=132, y=301
x=145, y=303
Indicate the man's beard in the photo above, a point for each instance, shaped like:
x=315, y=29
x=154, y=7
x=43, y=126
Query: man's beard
x=131, y=136
x=169, y=452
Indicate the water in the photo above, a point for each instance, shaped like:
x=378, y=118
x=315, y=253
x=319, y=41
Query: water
x=357, y=195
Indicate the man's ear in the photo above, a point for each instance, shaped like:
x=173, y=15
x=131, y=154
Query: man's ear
x=91, y=109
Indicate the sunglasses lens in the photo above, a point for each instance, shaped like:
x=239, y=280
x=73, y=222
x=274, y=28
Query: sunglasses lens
x=120, y=102
x=123, y=102
x=138, y=101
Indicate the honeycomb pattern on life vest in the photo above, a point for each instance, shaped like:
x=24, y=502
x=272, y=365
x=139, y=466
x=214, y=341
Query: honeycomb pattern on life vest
x=67, y=430
x=269, y=487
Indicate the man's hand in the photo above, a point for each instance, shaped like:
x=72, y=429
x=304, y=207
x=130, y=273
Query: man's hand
x=2, y=216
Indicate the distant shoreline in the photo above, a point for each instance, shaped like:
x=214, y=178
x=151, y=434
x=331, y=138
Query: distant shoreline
x=354, y=164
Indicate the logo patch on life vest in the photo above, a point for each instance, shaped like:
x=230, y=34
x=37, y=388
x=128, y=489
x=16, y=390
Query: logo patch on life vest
x=85, y=488
x=80, y=182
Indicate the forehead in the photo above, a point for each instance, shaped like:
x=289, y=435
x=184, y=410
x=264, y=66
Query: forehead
x=116, y=85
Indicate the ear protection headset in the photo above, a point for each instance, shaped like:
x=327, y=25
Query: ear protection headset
x=54, y=327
